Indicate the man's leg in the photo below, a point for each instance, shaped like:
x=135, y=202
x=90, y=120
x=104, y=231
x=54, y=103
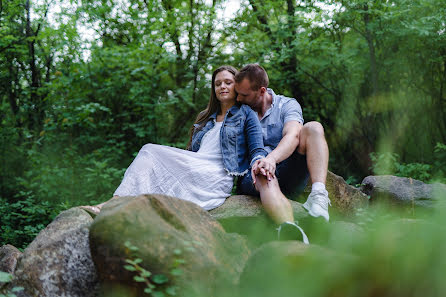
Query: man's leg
x=276, y=205
x=312, y=143
x=274, y=202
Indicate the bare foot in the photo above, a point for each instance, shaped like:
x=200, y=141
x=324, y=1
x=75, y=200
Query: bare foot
x=95, y=209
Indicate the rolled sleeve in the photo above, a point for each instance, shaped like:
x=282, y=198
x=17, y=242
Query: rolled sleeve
x=261, y=155
x=292, y=111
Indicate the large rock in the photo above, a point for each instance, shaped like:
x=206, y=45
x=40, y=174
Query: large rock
x=58, y=262
x=345, y=199
x=165, y=228
x=402, y=190
x=8, y=259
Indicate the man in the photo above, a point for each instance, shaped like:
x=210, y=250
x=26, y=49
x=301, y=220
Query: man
x=296, y=150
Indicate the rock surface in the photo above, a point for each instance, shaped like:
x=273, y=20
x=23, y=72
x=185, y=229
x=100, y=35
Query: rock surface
x=163, y=229
x=345, y=199
x=402, y=190
x=58, y=261
x=243, y=206
x=8, y=259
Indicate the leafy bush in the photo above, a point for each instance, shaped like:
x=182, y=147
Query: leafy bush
x=158, y=284
x=69, y=176
x=388, y=257
x=389, y=163
x=22, y=220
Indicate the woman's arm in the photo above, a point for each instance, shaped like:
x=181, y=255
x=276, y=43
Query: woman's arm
x=254, y=137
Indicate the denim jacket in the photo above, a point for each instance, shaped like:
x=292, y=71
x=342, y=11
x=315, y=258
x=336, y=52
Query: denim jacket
x=241, y=139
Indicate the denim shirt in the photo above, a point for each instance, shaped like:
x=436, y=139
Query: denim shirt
x=241, y=139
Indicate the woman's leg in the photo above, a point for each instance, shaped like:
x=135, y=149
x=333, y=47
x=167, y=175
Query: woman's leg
x=134, y=182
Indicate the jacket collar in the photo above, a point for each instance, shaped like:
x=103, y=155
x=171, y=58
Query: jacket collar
x=231, y=111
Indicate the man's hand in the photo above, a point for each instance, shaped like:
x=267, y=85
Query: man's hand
x=265, y=166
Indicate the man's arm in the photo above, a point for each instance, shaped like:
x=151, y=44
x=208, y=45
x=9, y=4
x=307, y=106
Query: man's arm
x=286, y=147
x=288, y=143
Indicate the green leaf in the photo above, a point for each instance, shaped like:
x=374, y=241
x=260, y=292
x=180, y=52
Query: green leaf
x=177, y=252
x=129, y=268
x=172, y=291
x=179, y=261
x=176, y=272
x=145, y=273
x=160, y=279
x=134, y=248
x=138, y=260
x=148, y=290
x=5, y=277
x=139, y=279
x=17, y=289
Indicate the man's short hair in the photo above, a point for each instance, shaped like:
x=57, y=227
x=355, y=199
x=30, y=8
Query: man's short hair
x=255, y=74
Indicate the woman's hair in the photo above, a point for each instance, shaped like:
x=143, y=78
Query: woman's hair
x=213, y=105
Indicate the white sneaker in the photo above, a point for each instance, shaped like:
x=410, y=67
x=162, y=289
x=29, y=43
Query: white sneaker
x=317, y=204
x=291, y=231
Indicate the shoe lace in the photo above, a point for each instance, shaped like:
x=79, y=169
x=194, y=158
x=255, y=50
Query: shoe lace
x=321, y=198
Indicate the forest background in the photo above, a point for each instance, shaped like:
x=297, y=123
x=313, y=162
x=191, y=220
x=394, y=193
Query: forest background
x=84, y=84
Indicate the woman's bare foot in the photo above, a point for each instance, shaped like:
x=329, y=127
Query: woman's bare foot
x=95, y=209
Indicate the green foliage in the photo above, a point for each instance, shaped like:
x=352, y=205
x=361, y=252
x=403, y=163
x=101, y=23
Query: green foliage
x=389, y=163
x=75, y=107
x=22, y=220
x=156, y=285
x=70, y=177
x=6, y=278
x=390, y=256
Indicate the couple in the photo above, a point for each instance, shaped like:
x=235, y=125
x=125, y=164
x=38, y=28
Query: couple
x=246, y=131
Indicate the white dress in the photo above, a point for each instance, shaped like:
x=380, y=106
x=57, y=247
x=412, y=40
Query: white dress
x=198, y=177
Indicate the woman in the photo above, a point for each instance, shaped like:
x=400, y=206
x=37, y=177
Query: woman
x=225, y=141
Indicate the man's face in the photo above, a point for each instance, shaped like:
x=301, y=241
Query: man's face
x=245, y=94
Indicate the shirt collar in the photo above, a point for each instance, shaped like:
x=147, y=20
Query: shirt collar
x=271, y=92
x=267, y=113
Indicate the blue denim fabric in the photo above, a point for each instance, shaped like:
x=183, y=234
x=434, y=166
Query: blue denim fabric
x=241, y=139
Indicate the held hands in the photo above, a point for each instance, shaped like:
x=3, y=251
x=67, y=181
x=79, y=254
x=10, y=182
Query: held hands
x=265, y=166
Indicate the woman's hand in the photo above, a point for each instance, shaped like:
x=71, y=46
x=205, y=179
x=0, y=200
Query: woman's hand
x=265, y=166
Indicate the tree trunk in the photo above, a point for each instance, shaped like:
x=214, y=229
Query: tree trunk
x=35, y=117
x=372, y=55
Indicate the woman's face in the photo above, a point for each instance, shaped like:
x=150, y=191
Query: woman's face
x=224, y=86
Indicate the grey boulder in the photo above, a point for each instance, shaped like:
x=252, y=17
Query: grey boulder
x=58, y=262
x=402, y=191
x=165, y=230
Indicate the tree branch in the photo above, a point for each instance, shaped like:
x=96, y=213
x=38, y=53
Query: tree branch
x=261, y=18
